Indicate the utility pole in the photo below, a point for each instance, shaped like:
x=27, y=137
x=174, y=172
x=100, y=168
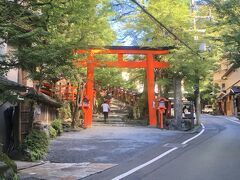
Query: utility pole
x=202, y=47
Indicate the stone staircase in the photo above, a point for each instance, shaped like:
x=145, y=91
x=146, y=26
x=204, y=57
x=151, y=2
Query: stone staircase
x=117, y=116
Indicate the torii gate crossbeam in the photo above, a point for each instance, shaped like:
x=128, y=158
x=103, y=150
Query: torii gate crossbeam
x=149, y=64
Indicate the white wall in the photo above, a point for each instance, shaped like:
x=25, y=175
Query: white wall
x=3, y=48
x=12, y=75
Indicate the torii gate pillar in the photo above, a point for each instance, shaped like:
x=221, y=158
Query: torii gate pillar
x=150, y=90
x=89, y=91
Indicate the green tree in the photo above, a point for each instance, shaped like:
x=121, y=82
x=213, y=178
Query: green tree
x=44, y=33
x=226, y=28
x=185, y=64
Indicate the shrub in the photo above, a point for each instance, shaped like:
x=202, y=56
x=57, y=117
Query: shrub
x=65, y=111
x=8, y=168
x=36, y=145
x=52, y=132
x=57, y=125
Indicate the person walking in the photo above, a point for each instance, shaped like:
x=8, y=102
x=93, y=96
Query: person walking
x=105, y=110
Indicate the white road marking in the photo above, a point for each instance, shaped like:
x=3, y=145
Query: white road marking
x=121, y=176
x=145, y=164
x=188, y=140
x=234, y=121
x=229, y=119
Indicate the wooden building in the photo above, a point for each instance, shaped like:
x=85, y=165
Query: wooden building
x=22, y=113
x=228, y=79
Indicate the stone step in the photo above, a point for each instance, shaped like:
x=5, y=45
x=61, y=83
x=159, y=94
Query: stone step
x=118, y=107
x=112, y=114
x=117, y=103
x=113, y=119
x=116, y=100
x=116, y=117
x=109, y=119
x=110, y=124
x=114, y=106
x=119, y=111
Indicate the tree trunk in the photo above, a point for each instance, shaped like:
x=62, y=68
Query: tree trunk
x=198, y=104
x=198, y=109
x=76, y=114
x=144, y=100
x=160, y=90
x=167, y=89
x=178, y=101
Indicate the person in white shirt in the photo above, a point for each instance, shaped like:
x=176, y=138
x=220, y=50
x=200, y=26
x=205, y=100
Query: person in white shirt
x=106, y=110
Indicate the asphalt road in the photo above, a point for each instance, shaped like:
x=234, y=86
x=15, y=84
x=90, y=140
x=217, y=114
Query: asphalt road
x=109, y=144
x=213, y=155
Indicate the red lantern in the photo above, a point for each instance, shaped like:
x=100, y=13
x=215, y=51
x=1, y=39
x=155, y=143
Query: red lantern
x=85, y=103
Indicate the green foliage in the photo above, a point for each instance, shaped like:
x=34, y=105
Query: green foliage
x=226, y=28
x=11, y=171
x=45, y=33
x=8, y=161
x=7, y=95
x=99, y=102
x=65, y=111
x=57, y=125
x=36, y=145
x=108, y=76
x=145, y=32
x=52, y=132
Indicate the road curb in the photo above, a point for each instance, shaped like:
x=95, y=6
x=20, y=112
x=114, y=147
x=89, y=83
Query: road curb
x=195, y=130
x=21, y=165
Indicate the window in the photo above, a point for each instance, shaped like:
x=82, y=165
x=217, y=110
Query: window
x=223, y=86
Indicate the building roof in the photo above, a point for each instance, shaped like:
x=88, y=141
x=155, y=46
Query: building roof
x=222, y=94
x=235, y=90
x=30, y=92
x=43, y=98
x=231, y=68
x=12, y=85
x=139, y=48
x=131, y=47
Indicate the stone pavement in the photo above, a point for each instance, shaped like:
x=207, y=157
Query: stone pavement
x=59, y=171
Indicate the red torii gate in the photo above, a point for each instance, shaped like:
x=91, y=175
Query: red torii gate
x=149, y=63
